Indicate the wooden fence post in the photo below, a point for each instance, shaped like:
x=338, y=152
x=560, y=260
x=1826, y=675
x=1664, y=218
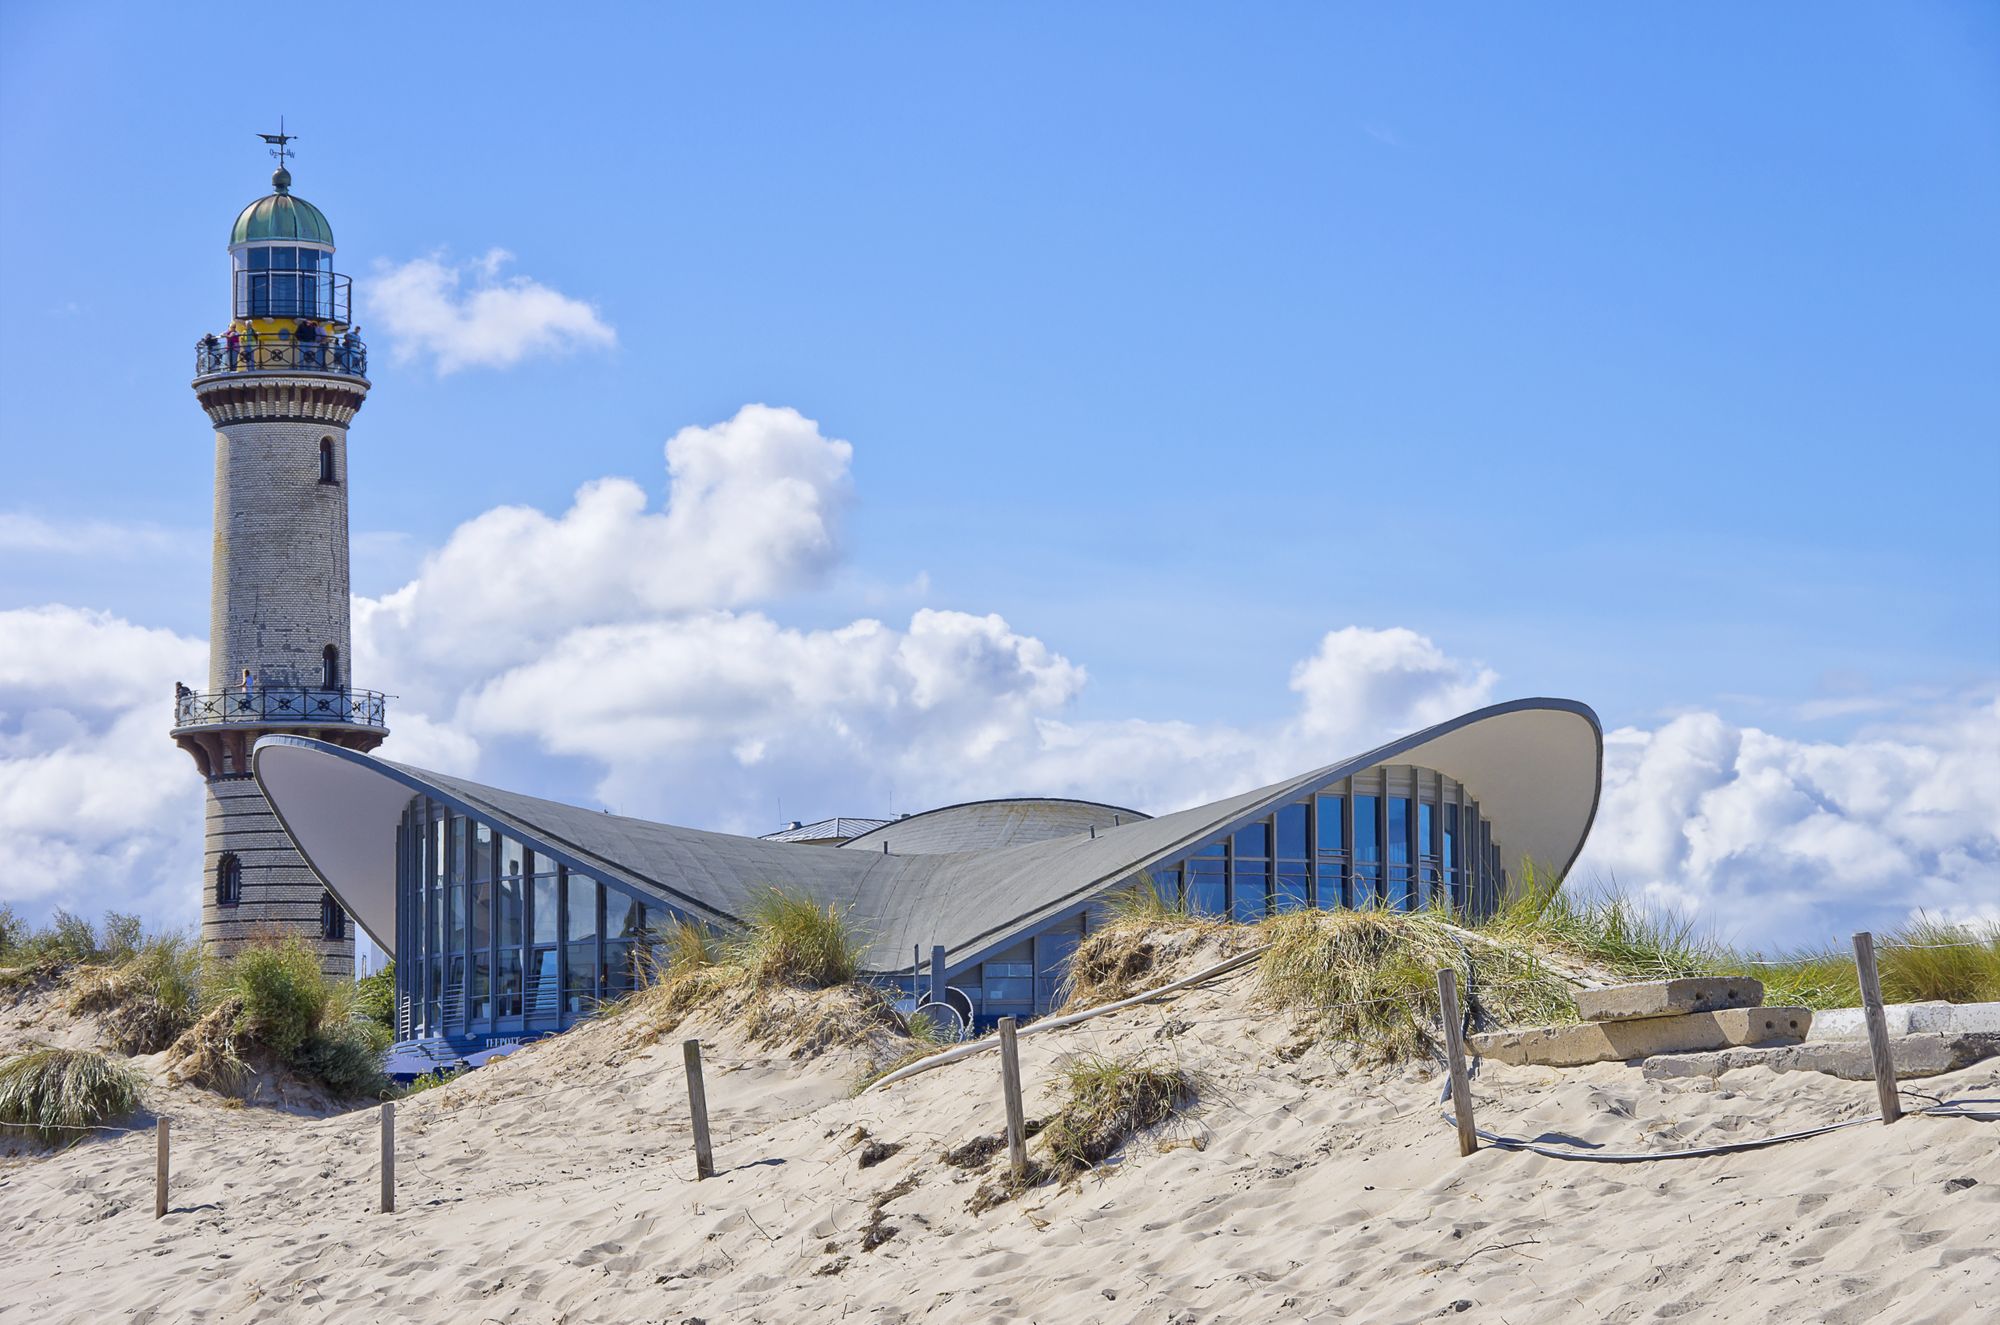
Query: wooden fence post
x=160, y=1168
x=704, y=1158
x=1878, y=1027
x=388, y=1157
x=1454, y=1052
x=1010, y=1087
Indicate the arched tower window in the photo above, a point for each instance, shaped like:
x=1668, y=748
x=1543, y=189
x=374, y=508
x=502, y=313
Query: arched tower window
x=228, y=880
x=332, y=920
x=326, y=460
x=329, y=668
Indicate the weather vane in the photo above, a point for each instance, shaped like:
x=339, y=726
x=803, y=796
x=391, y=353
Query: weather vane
x=278, y=141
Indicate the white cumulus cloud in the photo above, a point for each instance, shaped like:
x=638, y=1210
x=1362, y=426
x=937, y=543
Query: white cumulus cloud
x=1774, y=840
x=99, y=810
x=642, y=647
x=753, y=511
x=470, y=315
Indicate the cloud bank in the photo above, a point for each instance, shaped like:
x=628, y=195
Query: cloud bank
x=637, y=653
x=469, y=315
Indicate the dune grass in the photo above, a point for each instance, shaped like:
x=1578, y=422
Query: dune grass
x=1918, y=961
x=1367, y=980
x=791, y=939
x=147, y=1000
x=46, y=1093
x=1143, y=936
x=1105, y=1102
x=790, y=976
x=274, y=997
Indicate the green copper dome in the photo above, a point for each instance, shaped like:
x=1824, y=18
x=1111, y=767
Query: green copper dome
x=281, y=216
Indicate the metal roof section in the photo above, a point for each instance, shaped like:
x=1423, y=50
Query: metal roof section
x=281, y=216
x=987, y=825
x=825, y=832
x=1536, y=766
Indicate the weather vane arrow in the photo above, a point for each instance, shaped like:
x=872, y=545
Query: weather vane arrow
x=278, y=142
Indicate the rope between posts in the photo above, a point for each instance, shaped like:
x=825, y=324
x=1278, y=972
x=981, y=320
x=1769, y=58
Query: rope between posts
x=1947, y=1109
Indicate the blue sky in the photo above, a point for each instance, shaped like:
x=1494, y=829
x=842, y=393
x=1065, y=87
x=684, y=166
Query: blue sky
x=1644, y=356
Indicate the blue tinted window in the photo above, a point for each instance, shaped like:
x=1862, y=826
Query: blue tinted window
x=1254, y=840
x=1451, y=855
x=1367, y=852
x=1289, y=894
x=1207, y=893
x=508, y=917
x=1291, y=832
x=1331, y=890
x=1399, y=853
x=620, y=914
x=1330, y=837
x=582, y=905
x=1253, y=883
x=1399, y=830
x=545, y=910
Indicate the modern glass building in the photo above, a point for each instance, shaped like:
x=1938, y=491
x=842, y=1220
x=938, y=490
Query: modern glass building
x=512, y=917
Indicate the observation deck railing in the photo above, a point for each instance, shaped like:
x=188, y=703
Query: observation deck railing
x=344, y=355
x=279, y=706
x=324, y=296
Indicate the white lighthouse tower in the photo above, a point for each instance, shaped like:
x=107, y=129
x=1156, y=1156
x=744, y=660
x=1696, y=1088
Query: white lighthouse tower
x=280, y=384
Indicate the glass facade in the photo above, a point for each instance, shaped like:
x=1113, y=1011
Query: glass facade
x=1390, y=837
x=498, y=940
x=501, y=939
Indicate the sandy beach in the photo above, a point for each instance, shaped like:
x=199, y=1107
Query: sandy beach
x=558, y=1187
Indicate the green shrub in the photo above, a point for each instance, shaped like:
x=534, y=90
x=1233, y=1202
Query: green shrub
x=346, y=1056
x=286, y=997
x=70, y=937
x=122, y=935
x=13, y=931
x=430, y=1080
x=375, y=997
x=47, y=1092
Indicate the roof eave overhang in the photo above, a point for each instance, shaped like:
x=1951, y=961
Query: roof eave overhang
x=1572, y=787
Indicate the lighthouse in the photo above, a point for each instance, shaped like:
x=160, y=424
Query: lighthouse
x=281, y=383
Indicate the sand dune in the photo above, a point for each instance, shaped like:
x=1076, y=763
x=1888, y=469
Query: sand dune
x=558, y=1187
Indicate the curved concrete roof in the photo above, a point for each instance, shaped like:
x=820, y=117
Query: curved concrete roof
x=984, y=825
x=1535, y=765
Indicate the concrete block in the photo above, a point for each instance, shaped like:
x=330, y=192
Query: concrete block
x=1913, y=1055
x=1910, y=1019
x=1668, y=998
x=1615, y=1041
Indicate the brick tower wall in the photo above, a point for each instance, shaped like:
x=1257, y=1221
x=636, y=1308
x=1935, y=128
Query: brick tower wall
x=279, y=589
x=280, y=894
x=279, y=597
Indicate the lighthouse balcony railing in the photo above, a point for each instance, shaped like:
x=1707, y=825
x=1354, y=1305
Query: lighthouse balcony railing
x=323, y=296
x=280, y=705
x=345, y=355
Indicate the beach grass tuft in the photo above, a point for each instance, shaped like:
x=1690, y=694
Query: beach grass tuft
x=791, y=977
x=48, y=1092
x=792, y=939
x=1367, y=980
x=1105, y=1102
x=1144, y=937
